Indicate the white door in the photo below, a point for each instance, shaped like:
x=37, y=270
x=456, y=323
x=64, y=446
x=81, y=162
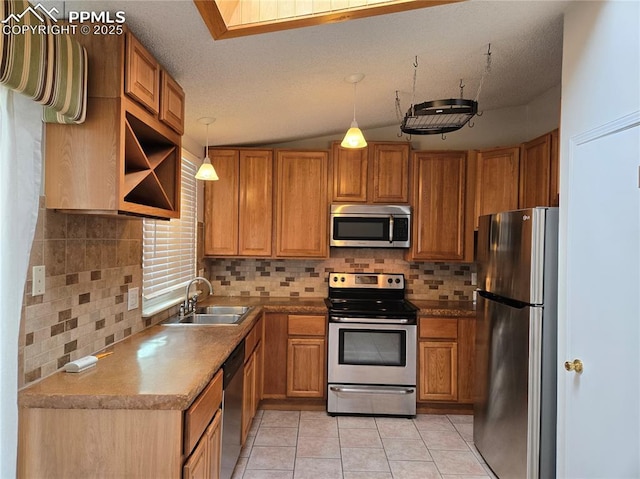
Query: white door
x=599, y=409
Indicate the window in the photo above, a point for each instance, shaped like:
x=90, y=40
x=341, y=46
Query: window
x=169, y=248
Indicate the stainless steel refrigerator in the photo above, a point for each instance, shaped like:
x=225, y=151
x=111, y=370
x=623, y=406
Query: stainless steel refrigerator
x=516, y=333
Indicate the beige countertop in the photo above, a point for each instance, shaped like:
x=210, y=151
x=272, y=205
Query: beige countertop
x=166, y=367
x=452, y=309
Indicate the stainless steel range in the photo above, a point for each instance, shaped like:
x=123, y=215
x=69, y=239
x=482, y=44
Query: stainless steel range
x=372, y=345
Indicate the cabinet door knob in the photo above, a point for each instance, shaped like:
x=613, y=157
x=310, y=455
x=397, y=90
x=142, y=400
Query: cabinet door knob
x=575, y=365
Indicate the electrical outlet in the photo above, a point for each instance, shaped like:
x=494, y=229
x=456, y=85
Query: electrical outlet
x=132, y=298
x=37, y=281
x=201, y=272
x=474, y=278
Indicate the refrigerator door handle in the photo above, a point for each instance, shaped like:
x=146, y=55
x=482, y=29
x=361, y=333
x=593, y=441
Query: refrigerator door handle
x=514, y=303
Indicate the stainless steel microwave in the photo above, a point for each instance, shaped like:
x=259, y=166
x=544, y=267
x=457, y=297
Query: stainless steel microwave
x=370, y=226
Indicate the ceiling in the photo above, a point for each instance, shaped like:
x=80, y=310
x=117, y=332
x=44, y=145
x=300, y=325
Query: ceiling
x=290, y=85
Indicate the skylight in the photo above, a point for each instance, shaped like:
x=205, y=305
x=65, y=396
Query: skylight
x=234, y=18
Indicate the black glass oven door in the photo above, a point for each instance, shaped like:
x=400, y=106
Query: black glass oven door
x=371, y=347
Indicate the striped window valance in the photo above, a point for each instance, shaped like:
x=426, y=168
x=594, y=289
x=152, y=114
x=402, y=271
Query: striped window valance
x=43, y=62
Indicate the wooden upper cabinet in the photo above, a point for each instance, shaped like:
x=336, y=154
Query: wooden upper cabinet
x=350, y=174
x=171, y=103
x=512, y=178
x=301, y=204
x=535, y=173
x=142, y=75
x=497, y=180
x=441, y=207
x=221, y=204
x=238, y=207
x=378, y=173
x=123, y=158
x=390, y=169
x=256, y=203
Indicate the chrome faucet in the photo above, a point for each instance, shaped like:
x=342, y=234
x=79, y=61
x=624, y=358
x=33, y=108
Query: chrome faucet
x=189, y=305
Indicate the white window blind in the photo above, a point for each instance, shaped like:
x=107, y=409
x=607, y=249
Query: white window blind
x=169, y=247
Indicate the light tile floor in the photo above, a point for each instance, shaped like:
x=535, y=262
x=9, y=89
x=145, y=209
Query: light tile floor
x=314, y=445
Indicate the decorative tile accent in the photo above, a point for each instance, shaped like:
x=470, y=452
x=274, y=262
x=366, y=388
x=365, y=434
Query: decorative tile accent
x=308, y=278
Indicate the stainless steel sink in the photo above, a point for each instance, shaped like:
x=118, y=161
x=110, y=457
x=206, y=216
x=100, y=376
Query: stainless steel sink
x=223, y=310
x=212, y=315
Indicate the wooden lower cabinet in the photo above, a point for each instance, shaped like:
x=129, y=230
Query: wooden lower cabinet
x=252, y=376
x=248, y=395
x=63, y=443
x=466, y=359
x=275, y=353
x=214, y=440
x=204, y=462
x=167, y=443
x=446, y=350
x=439, y=371
x=295, y=356
x=306, y=356
x=196, y=466
x=305, y=367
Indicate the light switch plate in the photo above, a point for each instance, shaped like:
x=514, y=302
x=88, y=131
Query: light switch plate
x=37, y=280
x=132, y=298
x=474, y=278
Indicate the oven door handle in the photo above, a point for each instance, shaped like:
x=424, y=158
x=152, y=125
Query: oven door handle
x=338, y=319
x=370, y=389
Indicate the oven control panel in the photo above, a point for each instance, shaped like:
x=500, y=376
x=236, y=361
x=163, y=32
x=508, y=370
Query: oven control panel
x=366, y=280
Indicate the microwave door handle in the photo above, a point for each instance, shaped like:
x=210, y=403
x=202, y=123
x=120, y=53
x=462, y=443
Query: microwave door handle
x=390, y=228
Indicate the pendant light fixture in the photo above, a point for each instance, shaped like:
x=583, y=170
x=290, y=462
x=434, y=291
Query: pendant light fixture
x=206, y=172
x=354, y=137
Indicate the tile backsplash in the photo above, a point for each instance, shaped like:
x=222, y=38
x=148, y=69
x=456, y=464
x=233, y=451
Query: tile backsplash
x=308, y=278
x=91, y=263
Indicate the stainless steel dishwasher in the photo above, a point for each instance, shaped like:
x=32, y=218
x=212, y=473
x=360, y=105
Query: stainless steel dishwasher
x=233, y=369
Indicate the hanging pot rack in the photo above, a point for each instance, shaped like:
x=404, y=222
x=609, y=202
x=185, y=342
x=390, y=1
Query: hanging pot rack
x=438, y=117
